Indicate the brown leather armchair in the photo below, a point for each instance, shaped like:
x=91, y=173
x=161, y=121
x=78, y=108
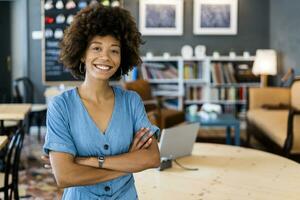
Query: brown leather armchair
x=162, y=117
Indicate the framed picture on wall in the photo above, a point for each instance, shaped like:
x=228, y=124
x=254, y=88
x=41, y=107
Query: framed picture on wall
x=215, y=17
x=161, y=17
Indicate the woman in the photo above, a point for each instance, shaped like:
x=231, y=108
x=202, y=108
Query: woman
x=98, y=135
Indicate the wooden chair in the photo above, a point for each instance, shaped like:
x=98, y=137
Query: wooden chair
x=10, y=177
x=162, y=117
x=38, y=111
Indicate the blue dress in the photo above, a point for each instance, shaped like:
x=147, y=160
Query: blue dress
x=70, y=129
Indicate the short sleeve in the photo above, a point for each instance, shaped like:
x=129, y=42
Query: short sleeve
x=58, y=136
x=140, y=116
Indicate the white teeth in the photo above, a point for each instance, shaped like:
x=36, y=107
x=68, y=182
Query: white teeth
x=102, y=67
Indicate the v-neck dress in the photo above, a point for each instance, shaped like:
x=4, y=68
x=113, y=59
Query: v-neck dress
x=70, y=129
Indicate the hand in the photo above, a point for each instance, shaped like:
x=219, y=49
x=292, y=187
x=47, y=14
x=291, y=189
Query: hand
x=46, y=160
x=142, y=140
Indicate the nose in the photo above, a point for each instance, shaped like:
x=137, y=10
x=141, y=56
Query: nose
x=104, y=54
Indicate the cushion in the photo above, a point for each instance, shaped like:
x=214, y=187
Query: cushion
x=295, y=95
x=274, y=124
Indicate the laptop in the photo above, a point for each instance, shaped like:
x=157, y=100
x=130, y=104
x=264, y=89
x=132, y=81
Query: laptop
x=178, y=141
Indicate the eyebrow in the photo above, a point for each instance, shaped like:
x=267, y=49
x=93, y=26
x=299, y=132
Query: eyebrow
x=114, y=44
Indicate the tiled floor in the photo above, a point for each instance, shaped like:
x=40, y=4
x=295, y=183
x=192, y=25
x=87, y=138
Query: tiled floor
x=38, y=183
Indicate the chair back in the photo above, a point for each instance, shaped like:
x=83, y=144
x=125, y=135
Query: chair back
x=295, y=93
x=12, y=160
x=143, y=88
x=23, y=84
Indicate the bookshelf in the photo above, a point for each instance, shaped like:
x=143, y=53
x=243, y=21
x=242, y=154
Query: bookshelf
x=230, y=80
x=223, y=80
x=165, y=76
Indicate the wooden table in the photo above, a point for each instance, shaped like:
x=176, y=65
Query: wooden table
x=225, y=172
x=13, y=112
x=3, y=141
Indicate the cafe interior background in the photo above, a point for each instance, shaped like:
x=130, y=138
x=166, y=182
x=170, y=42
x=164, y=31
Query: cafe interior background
x=237, y=59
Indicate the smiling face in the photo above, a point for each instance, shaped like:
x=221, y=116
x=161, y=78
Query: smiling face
x=102, y=57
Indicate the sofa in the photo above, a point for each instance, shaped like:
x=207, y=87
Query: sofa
x=273, y=118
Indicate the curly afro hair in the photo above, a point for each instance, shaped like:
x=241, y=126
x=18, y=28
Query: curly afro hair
x=98, y=20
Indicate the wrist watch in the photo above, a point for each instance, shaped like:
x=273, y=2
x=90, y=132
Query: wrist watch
x=101, y=160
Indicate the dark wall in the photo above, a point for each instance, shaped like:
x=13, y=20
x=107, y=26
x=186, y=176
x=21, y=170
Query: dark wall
x=285, y=33
x=253, y=31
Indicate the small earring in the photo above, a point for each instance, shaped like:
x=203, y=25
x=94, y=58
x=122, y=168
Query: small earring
x=81, y=68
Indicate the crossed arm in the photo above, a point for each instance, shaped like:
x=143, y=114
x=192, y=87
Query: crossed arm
x=74, y=171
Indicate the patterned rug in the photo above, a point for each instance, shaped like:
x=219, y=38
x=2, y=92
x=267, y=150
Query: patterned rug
x=36, y=182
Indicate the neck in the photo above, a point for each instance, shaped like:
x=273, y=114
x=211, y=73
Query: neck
x=95, y=90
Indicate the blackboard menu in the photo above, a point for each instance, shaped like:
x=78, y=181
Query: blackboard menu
x=57, y=15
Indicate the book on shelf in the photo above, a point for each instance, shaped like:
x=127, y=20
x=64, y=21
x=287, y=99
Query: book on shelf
x=193, y=92
x=231, y=93
x=222, y=73
x=154, y=70
x=193, y=70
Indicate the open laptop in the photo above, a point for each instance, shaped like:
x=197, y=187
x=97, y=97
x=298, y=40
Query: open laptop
x=178, y=141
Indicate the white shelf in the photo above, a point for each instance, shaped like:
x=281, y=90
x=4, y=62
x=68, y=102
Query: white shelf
x=161, y=58
x=236, y=59
x=199, y=81
x=194, y=59
x=236, y=85
x=166, y=93
x=163, y=80
x=194, y=101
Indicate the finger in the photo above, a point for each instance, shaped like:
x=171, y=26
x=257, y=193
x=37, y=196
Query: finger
x=147, y=144
x=144, y=139
x=139, y=135
x=135, y=140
